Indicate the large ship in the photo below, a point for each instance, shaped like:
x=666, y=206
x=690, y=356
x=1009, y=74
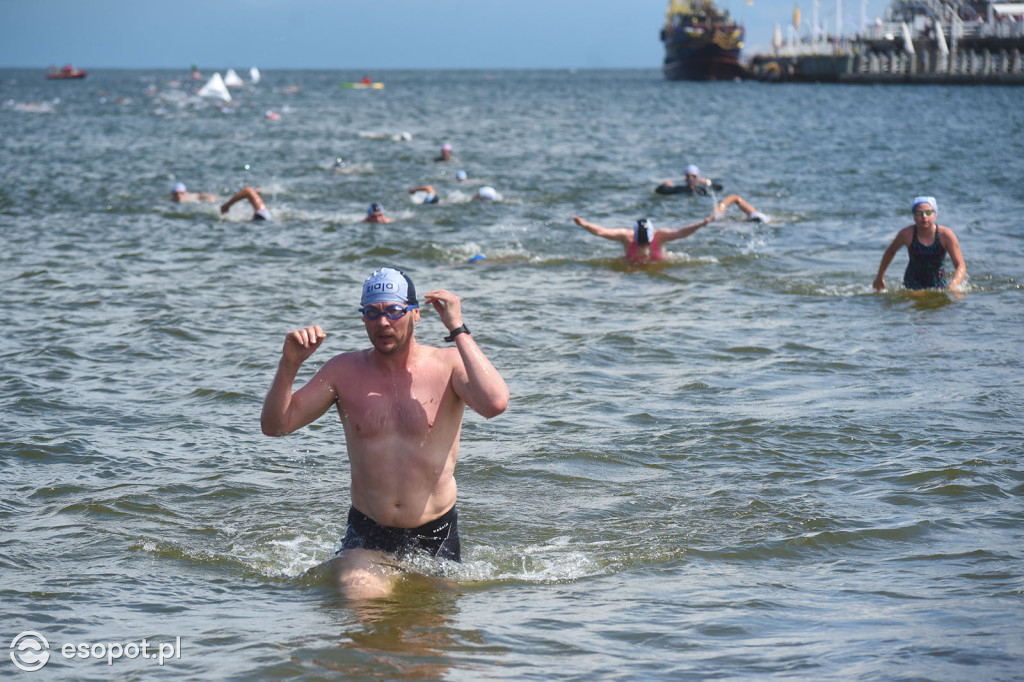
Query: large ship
x=702, y=42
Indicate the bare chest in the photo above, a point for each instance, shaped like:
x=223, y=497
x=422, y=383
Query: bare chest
x=408, y=406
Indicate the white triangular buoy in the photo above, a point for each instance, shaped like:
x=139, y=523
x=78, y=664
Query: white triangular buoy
x=232, y=80
x=215, y=89
x=254, y=75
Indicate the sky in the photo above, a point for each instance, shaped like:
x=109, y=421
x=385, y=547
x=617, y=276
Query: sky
x=369, y=34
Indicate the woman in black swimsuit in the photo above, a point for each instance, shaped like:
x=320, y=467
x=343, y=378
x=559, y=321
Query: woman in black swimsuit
x=927, y=244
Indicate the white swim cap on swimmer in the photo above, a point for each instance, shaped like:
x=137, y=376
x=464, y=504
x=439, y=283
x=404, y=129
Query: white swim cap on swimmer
x=925, y=200
x=388, y=285
x=643, y=231
x=692, y=170
x=487, y=193
x=461, y=175
x=446, y=147
x=178, y=187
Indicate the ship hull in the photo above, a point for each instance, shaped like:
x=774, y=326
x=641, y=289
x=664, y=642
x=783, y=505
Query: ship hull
x=707, y=62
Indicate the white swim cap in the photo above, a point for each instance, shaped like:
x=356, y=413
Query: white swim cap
x=388, y=285
x=925, y=200
x=692, y=170
x=461, y=175
x=487, y=193
x=446, y=147
x=178, y=187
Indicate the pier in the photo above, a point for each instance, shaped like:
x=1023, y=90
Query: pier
x=926, y=41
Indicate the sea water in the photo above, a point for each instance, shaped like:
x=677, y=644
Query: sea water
x=740, y=463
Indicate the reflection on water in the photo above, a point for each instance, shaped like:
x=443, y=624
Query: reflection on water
x=410, y=635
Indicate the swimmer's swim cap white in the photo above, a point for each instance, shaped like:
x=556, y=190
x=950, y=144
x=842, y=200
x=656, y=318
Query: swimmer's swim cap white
x=461, y=175
x=925, y=200
x=178, y=187
x=643, y=231
x=446, y=147
x=487, y=193
x=388, y=285
x=692, y=170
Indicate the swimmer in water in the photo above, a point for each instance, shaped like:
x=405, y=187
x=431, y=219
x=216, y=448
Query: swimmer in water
x=643, y=244
x=927, y=245
x=431, y=197
x=753, y=215
x=446, y=154
x=180, y=195
x=695, y=184
x=375, y=214
x=260, y=212
x=486, y=193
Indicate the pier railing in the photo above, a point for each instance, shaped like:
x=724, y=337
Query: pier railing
x=1000, y=65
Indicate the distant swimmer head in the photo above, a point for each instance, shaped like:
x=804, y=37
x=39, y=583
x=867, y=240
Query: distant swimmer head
x=925, y=200
x=487, y=193
x=388, y=285
x=374, y=208
x=461, y=176
x=446, y=147
x=692, y=170
x=643, y=232
x=178, y=187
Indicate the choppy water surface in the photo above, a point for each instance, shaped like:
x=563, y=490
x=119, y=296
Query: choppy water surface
x=741, y=463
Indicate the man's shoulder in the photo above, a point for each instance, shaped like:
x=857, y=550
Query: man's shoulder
x=446, y=357
x=430, y=352
x=348, y=359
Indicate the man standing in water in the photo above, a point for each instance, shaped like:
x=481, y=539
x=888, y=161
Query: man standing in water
x=401, y=404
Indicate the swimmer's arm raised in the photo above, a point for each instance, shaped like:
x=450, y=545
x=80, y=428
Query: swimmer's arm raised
x=477, y=382
x=284, y=411
x=617, y=235
x=252, y=195
x=682, y=232
x=474, y=378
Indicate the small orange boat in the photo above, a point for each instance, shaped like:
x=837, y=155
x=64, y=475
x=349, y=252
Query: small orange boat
x=67, y=72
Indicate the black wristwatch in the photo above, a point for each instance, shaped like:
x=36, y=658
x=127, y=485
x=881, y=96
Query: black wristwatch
x=461, y=329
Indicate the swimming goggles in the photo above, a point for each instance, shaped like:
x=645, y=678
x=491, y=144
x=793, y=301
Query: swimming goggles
x=922, y=212
x=393, y=312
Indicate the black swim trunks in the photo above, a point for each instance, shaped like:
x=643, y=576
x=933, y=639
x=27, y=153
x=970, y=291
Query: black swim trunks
x=439, y=538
